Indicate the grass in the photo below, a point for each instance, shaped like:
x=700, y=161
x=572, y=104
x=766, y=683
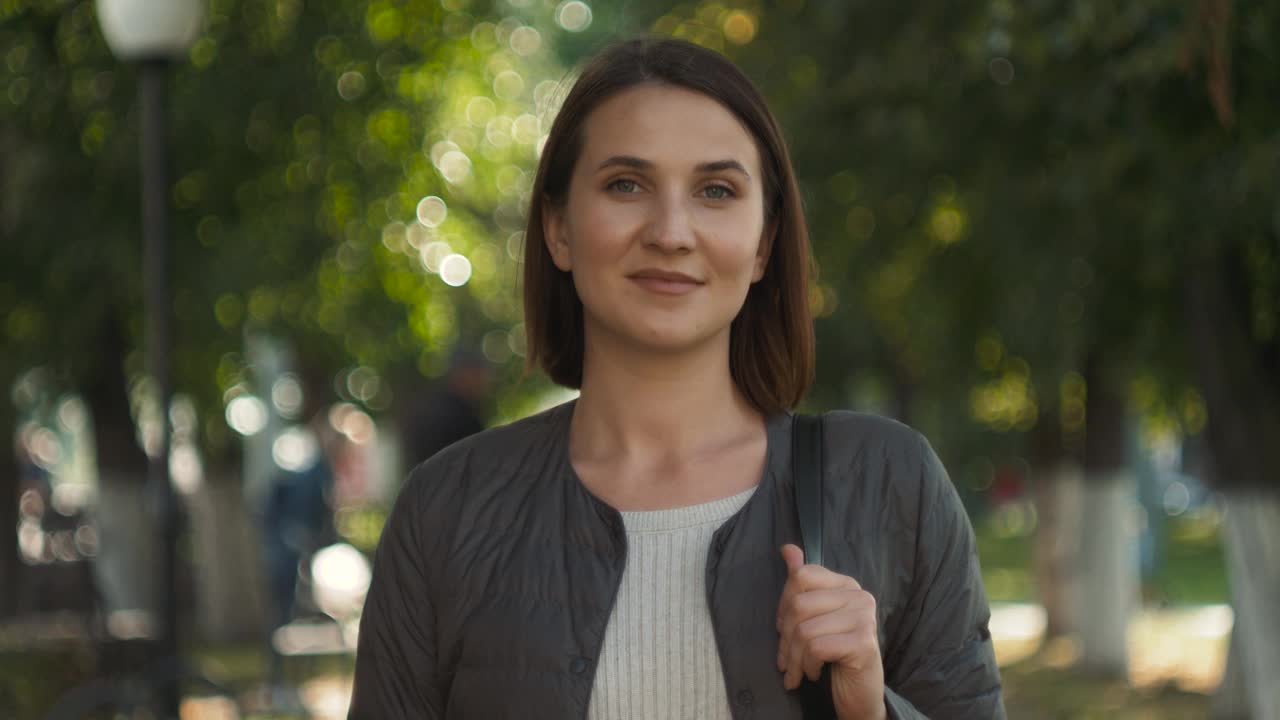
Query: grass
x=1043, y=686
x=1006, y=563
x=243, y=666
x=1193, y=572
x=1038, y=688
x=1035, y=689
x=32, y=680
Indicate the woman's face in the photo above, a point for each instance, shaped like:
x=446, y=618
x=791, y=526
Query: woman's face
x=663, y=228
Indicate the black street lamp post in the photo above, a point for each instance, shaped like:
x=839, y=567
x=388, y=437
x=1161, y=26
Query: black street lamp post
x=155, y=33
x=155, y=232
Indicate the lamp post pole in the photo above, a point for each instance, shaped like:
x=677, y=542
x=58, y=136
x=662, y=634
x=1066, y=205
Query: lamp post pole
x=154, y=33
x=152, y=76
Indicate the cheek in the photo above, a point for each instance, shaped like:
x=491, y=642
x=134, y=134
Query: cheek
x=736, y=250
x=598, y=237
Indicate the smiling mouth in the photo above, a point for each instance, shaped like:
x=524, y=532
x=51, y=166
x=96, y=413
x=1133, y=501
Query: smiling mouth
x=665, y=283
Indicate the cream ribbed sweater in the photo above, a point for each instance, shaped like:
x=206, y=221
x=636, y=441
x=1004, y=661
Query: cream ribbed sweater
x=659, y=660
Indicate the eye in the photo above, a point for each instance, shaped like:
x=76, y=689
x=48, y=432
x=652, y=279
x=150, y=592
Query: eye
x=718, y=192
x=624, y=185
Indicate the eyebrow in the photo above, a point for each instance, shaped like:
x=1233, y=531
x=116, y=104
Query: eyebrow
x=640, y=164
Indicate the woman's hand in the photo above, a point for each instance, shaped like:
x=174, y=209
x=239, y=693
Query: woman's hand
x=825, y=617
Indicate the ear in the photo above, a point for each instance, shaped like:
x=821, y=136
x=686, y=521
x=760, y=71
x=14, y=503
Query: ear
x=765, y=249
x=556, y=236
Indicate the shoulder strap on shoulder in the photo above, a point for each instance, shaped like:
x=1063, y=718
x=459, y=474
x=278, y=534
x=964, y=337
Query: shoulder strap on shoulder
x=806, y=468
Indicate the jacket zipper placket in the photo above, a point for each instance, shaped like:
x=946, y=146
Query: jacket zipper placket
x=615, y=523
x=717, y=547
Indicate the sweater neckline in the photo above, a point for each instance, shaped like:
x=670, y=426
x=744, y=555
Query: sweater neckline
x=713, y=512
x=777, y=456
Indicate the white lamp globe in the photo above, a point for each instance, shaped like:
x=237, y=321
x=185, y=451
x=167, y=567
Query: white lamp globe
x=150, y=29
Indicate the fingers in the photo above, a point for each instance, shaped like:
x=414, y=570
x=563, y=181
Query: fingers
x=799, y=607
x=796, y=609
x=822, y=617
x=811, y=577
x=805, y=614
x=793, y=556
x=816, y=642
x=803, y=579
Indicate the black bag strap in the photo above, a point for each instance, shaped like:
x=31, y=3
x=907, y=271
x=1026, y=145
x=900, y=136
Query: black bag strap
x=806, y=468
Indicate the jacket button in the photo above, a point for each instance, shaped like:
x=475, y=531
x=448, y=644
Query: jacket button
x=745, y=698
x=578, y=666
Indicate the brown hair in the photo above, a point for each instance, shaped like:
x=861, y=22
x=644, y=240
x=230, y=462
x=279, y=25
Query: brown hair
x=771, y=346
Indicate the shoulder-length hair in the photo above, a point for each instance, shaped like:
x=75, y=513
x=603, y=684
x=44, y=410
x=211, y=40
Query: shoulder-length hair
x=771, y=346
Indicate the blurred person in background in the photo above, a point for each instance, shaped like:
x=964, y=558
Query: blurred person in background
x=634, y=553
x=449, y=412
x=297, y=517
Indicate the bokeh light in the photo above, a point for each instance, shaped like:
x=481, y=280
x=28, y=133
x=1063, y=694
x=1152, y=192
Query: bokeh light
x=739, y=27
x=433, y=254
x=525, y=41
x=246, y=415
x=432, y=211
x=287, y=396
x=296, y=449
x=455, y=270
x=574, y=15
x=341, y=575
x=353, y=423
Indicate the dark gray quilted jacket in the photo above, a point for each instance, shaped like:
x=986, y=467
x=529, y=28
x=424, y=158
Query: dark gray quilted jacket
x=497, y=572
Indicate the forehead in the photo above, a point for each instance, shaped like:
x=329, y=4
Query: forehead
x=667, y=125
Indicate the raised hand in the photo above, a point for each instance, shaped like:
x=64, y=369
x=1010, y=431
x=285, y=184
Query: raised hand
x=825, y=617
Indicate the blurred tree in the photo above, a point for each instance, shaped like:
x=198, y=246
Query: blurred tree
x=347, y=175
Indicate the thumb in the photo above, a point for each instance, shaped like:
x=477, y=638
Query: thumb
x=793, y=556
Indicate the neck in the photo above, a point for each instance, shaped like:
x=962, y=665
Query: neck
x=643, y=407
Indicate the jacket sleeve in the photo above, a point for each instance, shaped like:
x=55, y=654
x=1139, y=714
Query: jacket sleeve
x=941, y=663
x=396, y=672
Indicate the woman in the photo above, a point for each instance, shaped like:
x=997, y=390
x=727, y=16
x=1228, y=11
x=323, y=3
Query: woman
x=632, y=554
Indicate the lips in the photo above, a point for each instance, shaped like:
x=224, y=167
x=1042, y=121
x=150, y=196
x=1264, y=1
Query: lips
x=665, y=282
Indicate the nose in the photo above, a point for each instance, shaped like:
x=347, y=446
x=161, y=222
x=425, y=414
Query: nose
x=670, y=228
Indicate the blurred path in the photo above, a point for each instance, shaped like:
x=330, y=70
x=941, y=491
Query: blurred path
x=1182, y=646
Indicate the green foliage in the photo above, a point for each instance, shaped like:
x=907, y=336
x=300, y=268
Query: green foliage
x=997, y=189
x=330, y=161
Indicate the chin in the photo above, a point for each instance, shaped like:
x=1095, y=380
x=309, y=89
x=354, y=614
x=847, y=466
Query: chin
x=665, y=333
x=673, y=338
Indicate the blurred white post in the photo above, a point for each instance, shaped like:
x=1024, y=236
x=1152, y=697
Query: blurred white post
x=1108, y=583
x=1252, y=526
x=1058, y=500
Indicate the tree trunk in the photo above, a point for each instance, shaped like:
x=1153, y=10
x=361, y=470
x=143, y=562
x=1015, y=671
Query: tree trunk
x=904, y=396
x=1241, y=386
x=229, y=579
x=1253, y=543
x=1230, y=701
x=127, y=566
x=1240, y=379
x=1057, y=497
x=1109, y=587
x=10, y=565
